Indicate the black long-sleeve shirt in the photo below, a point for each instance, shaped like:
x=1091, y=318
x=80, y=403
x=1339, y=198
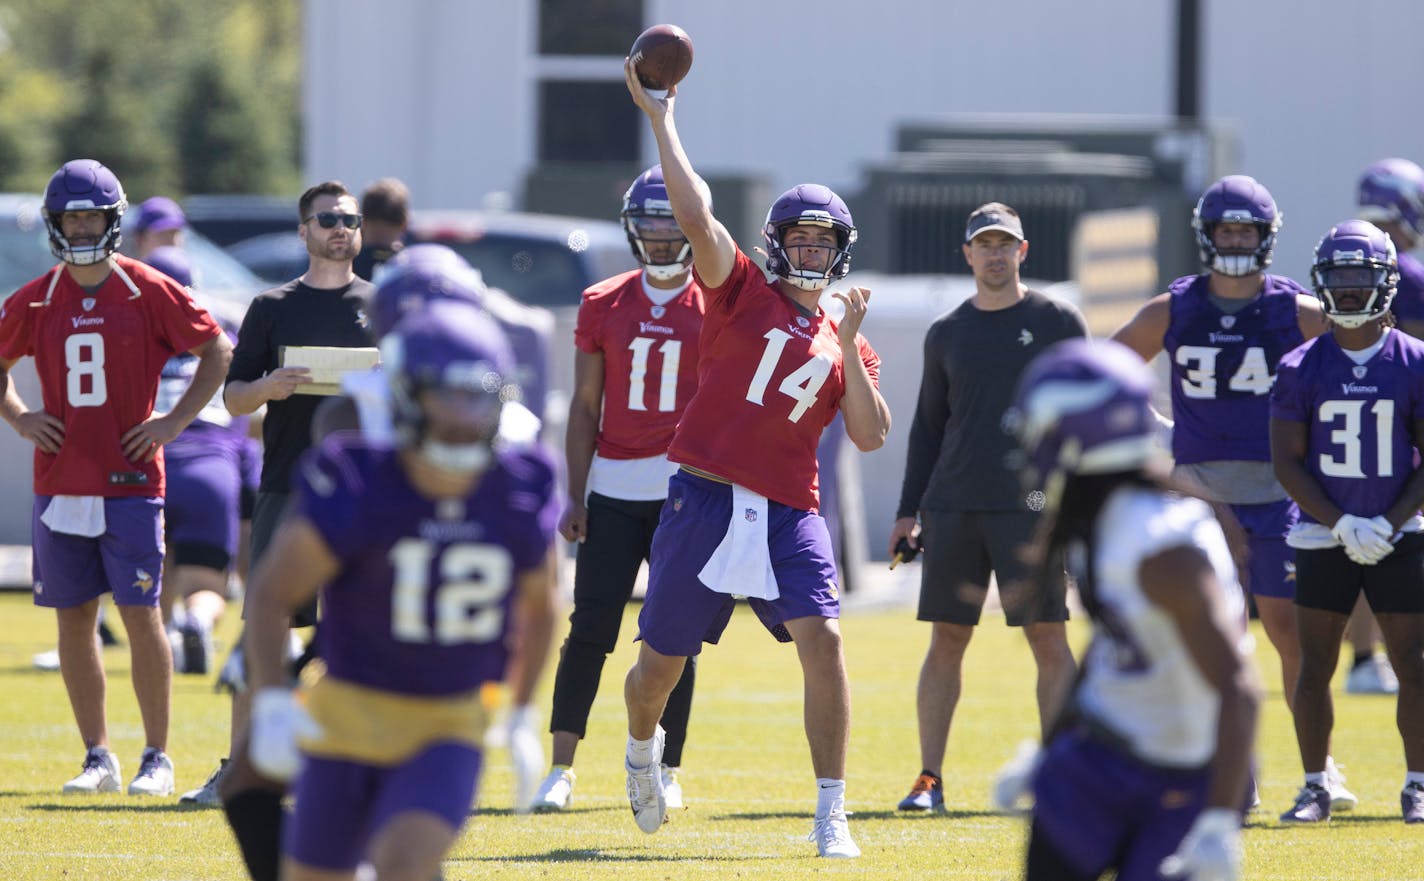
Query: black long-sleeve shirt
x=958, y=449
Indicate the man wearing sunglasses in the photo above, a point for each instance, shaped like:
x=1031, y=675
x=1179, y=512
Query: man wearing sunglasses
x=322, y=307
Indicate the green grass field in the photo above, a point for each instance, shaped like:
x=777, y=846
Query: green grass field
x=747, y=776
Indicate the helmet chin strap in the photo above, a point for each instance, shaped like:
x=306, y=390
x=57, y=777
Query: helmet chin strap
x=1235, y=265
x=664, y=271
x=807, y=283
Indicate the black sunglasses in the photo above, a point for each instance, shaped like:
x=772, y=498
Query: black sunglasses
x=329, y=220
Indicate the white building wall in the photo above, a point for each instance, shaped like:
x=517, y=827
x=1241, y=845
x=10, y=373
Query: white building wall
x=443, y=92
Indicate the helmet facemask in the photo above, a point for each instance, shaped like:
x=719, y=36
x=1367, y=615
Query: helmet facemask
x=779, y=257
x=658, y=244
x=1355, y=262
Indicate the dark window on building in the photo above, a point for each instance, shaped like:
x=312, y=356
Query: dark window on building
x=587, y=121
x=589, y=27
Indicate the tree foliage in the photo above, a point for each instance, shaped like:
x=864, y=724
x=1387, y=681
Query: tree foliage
x=177, y=96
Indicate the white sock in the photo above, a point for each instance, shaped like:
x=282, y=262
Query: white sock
x=830, y=796
x=1414, y=777
x=1317, y=779
x=640, y=752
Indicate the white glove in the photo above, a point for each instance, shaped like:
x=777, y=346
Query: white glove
x=1211, y=850
x=1365, y=541
x=1013, y=783
x=278, y=722
x=527, y=753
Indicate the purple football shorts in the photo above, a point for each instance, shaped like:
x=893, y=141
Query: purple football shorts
x=1272, y=566
x=341, y=805
x=202, y=498
x=680, y=612
x=71, y=570
x=1101, y=807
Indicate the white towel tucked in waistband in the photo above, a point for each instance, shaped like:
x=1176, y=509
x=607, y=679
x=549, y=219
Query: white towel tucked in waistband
x=75, y=515
x=741, y=564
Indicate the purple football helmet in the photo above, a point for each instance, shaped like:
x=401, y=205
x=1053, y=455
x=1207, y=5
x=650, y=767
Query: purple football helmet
x=1236, y=198
x=454, y=348
x=1083, y=407
x=1355, y=256
x=648, y=220
x=417, y=275
x=84, y=185
x=810, y=205
x=1392, y=190
x=173, y=262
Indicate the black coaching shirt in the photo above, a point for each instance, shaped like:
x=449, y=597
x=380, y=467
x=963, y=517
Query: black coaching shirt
x=295, y=315
x=960, y=456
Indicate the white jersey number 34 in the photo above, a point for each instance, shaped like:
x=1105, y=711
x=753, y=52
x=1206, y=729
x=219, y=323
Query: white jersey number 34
x=1198, y=365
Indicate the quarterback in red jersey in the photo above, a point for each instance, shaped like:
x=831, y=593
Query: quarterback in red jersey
x=634, y=372
x=740, y=518
x=100, y=328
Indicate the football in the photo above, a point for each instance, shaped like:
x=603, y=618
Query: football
x=662, y=56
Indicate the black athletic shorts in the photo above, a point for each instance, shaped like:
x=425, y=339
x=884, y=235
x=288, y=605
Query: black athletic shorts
x=1328, y=580
x=961, y=549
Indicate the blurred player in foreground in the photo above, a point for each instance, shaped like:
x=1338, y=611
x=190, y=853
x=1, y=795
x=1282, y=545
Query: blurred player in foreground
x=1147, y=767
x=433, y=557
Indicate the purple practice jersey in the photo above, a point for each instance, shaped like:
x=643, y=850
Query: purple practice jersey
x=422, y=603
x=1408, y=301
x=1361, y=418
x=1223, y=366
x=214, y=427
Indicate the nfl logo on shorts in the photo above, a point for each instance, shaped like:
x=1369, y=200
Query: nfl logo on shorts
x=751, y=515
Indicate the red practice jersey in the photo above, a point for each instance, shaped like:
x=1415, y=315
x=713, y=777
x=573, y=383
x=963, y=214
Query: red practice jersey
x=770, y=379
x=649, y=361
x=99, y=357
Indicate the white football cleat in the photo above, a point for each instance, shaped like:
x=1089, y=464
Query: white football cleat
x=100, y=774
x=555, y=792
x=155, y=774
x=1374, y=676
x=1341, y=799
x=672, y=789
x=832, y=836
x=645, y=788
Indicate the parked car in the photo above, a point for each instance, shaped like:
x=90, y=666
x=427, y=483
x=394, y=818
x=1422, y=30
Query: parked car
x=540, y=260
x=228, y=219
x=224, y=286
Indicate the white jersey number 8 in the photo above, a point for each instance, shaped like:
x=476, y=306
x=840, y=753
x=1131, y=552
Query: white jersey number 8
x=473, y=581
x=84, y=357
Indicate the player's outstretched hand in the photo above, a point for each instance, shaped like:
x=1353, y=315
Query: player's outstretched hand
x=41, y=429
x=278, y=723
x=1211, y=851
x=573, y=526
x=656, y=107
x=281, y=384
x=857, y=301
x=1014, y=782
